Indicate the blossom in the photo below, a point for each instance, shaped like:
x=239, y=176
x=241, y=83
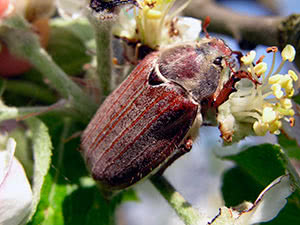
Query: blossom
x=262, y=104
x=15, y=190
x=72, y=8
x=266, y=207
x=154, y=24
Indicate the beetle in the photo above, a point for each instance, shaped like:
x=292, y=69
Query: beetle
x=153, y=117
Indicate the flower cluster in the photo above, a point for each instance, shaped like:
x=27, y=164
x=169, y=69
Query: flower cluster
x=155, y=24
x=263, y=103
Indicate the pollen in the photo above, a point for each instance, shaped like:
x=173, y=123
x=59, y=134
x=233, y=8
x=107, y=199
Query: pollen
x=288, y=53
x=276, y=88
x=293, y=75
x=248, y=59
x=268, y=115
x=260, y=68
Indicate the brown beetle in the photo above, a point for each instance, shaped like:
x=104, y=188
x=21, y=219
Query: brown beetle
x=154, y=115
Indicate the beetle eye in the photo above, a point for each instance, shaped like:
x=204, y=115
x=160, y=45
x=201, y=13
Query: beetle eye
x=218, y=61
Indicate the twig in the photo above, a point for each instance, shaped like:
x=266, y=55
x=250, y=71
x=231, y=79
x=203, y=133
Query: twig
x=248, y=30
x=183, y=209
x=258, y=30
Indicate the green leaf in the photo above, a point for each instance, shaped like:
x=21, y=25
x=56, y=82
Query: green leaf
x=262, y=162
x=256, y=168
x=290, y=146
x=87, y=206
x=42, y=157
x=296, y=98
x=49, y=210
x=67, y=47
x=57, y=186
x=23, y=149
x=69, y=196
x=32, y=91
x=80, y=28
x=239, y=186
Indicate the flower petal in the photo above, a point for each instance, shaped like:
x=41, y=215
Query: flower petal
x=15, y=191
x=269, y=203
x=71, y=8
x=189, y=28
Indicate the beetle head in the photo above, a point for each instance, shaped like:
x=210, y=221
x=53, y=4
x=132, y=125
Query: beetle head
x=196, y=66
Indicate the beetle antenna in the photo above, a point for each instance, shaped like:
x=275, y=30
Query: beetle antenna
x=205, y=25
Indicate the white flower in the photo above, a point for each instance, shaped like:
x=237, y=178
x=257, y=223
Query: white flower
x=266, y=207
x=261, y=104
x=72, y=8
x=154, y=24
x=15, y=190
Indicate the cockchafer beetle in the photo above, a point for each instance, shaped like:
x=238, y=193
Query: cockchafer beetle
x=153, y=117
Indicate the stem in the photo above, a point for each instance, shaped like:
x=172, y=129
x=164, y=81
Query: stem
x=29, y=89
x=63, y=84
x=103, y=38
x=23, y=42
x=183, y=209
x=61, y=107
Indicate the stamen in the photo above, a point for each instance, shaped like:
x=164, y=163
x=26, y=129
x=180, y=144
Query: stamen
x=292, y=121
x=260, y=59
x=272, y=66
x=279, y=67
x=272, y=49
x=267, y=94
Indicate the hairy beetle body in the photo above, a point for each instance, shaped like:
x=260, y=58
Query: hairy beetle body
x=151, y=115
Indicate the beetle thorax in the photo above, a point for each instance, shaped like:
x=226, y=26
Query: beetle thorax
x=193, y=67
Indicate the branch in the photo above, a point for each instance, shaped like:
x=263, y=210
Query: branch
x=249, y=30
x=259, y=30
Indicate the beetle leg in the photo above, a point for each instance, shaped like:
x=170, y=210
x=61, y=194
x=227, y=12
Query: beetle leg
x=223, y=95
x=181, y=150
